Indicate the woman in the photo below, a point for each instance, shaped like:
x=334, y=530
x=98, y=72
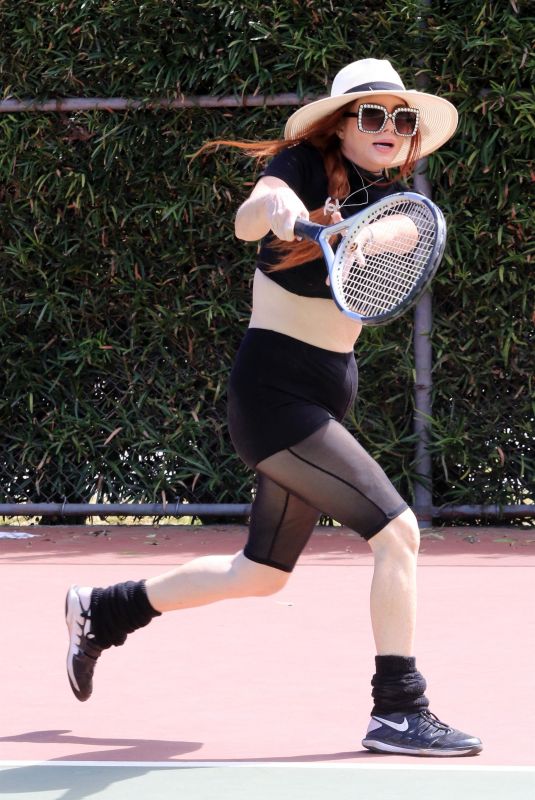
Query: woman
x=292, y=383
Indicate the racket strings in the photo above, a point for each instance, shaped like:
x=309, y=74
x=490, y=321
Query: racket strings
x=387, y=282
x=372, y=283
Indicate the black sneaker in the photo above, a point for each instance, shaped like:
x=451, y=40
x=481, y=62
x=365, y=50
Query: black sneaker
x=420, y=734
x=83, y=650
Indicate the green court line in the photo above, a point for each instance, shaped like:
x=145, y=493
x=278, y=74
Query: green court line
x=106, y=780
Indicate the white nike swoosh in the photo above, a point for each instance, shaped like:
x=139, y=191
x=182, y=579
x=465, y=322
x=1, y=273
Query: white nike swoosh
x=398, y=726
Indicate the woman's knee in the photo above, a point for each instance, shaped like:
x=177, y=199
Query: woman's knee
x=271, y=583
x=257, y=580
x=401, y=537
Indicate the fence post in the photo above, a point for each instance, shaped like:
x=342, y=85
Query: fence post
x=423, y=356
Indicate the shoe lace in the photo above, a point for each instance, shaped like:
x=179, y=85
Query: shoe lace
x=434, y=721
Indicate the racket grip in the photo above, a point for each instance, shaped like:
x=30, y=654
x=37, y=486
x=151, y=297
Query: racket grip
x=308, y=230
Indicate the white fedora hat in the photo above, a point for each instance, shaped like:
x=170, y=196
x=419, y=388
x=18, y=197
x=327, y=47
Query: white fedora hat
x=367, y=78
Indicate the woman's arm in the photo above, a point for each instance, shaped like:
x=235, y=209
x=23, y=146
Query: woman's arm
x=395, y=234
x=272, y=205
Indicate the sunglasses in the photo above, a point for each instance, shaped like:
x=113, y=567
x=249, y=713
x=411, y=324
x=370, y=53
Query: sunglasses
x=372, y=118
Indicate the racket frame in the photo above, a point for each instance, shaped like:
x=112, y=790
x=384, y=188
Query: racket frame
x=352, y=225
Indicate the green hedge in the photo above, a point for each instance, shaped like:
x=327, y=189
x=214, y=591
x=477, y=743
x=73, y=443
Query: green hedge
x=124, y=293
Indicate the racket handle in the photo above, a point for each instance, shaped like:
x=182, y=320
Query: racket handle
x=308, y=230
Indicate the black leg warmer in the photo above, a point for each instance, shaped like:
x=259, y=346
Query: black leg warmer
x=398, y=686
x=119, y=610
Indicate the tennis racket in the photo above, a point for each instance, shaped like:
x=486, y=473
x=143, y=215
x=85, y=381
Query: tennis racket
x=375, y=279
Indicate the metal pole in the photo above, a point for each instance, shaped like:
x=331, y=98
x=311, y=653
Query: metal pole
x=125, y=509
x=494, y=511
x=226, y=510
x=423, y=363
x=11, y=105
x=423, y=354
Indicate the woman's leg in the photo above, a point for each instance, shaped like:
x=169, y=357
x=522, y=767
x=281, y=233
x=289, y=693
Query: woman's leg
x=393, y=590
x=211, y=578
x=332, y=470
x=279, y=529
x=99, y=618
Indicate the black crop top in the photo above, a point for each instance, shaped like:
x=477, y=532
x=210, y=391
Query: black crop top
x=301, y=167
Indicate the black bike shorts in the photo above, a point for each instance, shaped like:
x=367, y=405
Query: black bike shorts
x=281, y=390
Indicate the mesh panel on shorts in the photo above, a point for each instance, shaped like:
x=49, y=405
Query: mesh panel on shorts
x=328, y=472
x=281, y=525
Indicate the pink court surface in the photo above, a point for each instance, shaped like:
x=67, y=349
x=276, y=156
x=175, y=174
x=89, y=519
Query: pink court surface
x=263, y=697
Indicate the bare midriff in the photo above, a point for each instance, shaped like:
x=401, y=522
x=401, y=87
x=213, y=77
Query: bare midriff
x=315, y=320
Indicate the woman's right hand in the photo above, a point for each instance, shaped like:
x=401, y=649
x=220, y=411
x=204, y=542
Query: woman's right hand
x=283, y=208
x=272, y=205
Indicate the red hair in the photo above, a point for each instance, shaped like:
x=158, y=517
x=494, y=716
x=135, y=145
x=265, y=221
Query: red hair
x=323, y=135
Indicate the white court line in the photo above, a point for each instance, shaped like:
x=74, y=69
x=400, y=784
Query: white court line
x=444, y=767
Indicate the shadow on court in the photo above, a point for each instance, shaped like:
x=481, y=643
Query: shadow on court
x=75, y=783
x=79, y=781
x=137, y=750
x=126, y=749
